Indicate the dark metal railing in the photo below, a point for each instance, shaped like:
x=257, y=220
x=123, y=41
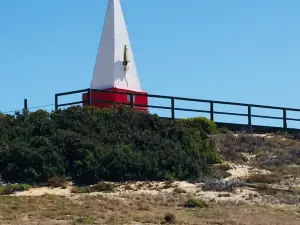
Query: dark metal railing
x=173, y=109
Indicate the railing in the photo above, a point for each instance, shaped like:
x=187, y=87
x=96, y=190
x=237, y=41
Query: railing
x=173, y=109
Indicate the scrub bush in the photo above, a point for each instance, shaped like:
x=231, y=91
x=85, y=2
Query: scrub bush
x=91, y=145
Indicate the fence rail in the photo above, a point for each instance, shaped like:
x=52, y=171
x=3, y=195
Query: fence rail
x=173, y=109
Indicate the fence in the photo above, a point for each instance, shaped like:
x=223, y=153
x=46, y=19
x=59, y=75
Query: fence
x=211, y=112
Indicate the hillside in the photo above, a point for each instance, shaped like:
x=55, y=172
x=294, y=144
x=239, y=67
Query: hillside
x=89, y=145
x=91, y=166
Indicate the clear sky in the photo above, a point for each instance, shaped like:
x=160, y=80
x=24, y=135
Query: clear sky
x=234, y=50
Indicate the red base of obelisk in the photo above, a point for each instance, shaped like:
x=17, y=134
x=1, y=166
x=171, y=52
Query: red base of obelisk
x=123, y=98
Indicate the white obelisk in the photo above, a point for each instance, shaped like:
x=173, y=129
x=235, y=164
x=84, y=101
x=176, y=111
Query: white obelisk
x=115, y=66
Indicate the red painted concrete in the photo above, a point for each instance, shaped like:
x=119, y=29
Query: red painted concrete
x=117, y=98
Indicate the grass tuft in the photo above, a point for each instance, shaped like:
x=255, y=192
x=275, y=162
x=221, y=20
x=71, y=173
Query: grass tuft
x=169, y=218
x=195, y=203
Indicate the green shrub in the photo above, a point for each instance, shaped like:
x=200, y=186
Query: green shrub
x=13, y=188
x=100, y=187
x=30, y=161
x=208, y=126
x=84, y=189
x=90, y=145
x=195, y=203
x=83, y=220
x=104, y=187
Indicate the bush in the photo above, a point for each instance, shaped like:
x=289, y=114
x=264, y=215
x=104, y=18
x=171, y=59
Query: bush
x=100, y=187
x=195, y=203
x=169, y=218
x=57, y=181
x=30, y=161
x=13, y=188
x=90, y=145
x=206, y=125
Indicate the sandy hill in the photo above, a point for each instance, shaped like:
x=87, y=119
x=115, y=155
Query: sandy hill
x=257, y=183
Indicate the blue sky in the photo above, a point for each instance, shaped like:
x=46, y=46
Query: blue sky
x=243, y=51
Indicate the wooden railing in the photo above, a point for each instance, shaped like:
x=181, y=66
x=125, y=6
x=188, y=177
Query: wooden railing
x=211, y=112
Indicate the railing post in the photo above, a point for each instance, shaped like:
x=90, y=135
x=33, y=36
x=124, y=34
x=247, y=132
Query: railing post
x=172, y=108
x=56, y=102
x=284, y=119
x=249, y=119
x=131, y=100
x=212, y=111
x=25, y=104
x=89, y=97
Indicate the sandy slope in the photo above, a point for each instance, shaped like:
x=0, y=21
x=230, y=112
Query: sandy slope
x=155, y=188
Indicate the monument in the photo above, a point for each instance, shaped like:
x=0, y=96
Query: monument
x=115, y=68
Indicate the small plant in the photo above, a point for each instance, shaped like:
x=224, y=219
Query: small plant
x=84, y=189
x=169, y=218
x=295, y=189
x=103, y=187
x=83, y=220
x=13, y=188
x=195, y=203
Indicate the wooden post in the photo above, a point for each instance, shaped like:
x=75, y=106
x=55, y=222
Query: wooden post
x=284, y=119
x=131, y=100
x=212, y=111
x=89, y=96
x=172, y=108
x=25, y=104
x=249, y=119
x=56, y=102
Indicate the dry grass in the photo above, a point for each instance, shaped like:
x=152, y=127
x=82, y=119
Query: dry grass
x=136, y=210
x=168, y=184
x=269, y=151
x=233, y=146
x=262, y=178
x=178, y=190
